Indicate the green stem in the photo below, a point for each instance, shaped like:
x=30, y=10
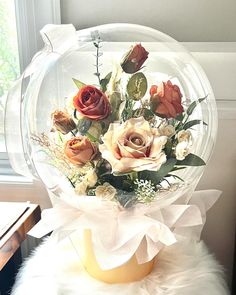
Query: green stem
x=71, y=182
x=134, y=175
x=97, y=65
x=73, y=133
x=91, y=137
x=185, y=119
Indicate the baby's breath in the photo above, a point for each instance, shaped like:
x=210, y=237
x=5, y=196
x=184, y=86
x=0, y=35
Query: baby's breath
x=145, y=191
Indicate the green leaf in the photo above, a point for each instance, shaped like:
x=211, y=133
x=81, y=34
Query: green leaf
x=60, y=137
x=91, y=137
x=191, y=124
x=122, y=182
x=126, y=200
x=128, y=109
x=191, y=160
x=168, y=147
x=75, y=113
x=78, y=83
x=103, y=167
x=122, y=173
x=156, y=176
x=178, y=168
x=105, y=81
x=91, y=192
x=175, y=176
x=146, y=113
x=115, y=101
x=180, y=117
x=83, y=126
x=137, y=86
x=194, y=104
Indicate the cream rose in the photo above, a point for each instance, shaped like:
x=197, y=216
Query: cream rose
x=184, y=135
x=91, y=178
x=80, y=188
x=182, y=150
x=105, y=191
x=133, y=146
x=168, y=130
x=184, y=145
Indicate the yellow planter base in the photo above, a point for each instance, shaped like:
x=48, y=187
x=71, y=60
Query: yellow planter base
x=129, y=272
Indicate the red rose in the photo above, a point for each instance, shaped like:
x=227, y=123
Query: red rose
x=134, y=59
x=92, y=103
x=166, y=100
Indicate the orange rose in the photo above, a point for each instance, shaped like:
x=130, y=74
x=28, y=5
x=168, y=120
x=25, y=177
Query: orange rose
x=80, y=150
x=166, y=100
x=92, y=103
x=134, y=59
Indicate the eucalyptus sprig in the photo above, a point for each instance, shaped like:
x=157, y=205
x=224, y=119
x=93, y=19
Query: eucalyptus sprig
x=97, y=43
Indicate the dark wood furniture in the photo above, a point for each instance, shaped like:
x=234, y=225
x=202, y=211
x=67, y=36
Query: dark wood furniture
x=10, y=241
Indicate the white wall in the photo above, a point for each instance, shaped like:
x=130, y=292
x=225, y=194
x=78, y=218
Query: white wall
x=185, y=20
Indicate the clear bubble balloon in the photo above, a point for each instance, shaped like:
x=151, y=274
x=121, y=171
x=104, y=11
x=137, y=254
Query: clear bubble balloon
x=49, y=84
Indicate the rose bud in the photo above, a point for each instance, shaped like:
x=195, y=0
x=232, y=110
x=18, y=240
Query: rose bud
x=62, y=122
x=134, y=59
x=92, y=103
x=80, y=150
x=166, y=100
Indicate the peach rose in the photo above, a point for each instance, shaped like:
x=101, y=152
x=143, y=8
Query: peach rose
x=166, y=100
x=80, y=150
x=133, y=146
x=62, y=122
x=92, y=103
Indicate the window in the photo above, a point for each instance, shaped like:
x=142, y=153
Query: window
x=20, y=23
x=9, y=57
x=9, y=69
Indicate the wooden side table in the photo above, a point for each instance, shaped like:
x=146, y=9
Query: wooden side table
x=10, y=241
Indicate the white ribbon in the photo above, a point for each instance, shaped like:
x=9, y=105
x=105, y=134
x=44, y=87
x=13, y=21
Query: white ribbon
x=119, y=234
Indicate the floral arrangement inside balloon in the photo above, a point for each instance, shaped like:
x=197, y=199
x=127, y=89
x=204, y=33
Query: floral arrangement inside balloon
x=127, y=147
x=123, y=139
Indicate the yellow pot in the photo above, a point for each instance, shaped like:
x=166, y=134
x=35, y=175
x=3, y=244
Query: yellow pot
x=126, y=273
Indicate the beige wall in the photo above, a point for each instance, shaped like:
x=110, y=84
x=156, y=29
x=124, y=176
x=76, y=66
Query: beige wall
x=219, y=63
x=185, y=20
x=219, y=231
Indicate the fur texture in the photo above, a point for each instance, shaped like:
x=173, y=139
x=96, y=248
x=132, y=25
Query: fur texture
x=182, y=269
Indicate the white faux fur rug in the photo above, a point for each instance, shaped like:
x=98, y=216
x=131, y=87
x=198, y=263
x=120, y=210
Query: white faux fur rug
x=182, y=269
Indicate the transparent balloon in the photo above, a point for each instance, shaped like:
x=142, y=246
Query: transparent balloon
x=47, y=85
